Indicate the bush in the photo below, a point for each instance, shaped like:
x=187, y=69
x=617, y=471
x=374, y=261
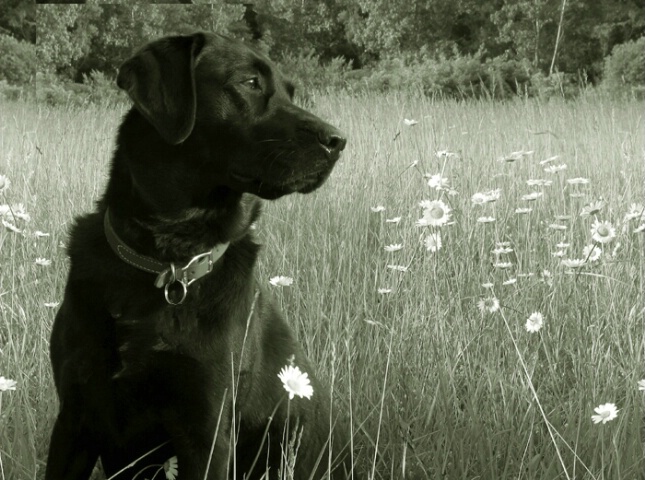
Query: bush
x=308, y=71
x=103, y=89
x=624, y=68
x=558, y=84
x=458, y=76
x=97, y=89
x=18, y=61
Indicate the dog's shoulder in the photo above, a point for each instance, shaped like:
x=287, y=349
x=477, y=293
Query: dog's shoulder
x=87, y=241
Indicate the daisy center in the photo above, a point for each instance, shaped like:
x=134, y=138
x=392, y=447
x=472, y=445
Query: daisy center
x=294, y=385
x=602, y=230
x=436, y=212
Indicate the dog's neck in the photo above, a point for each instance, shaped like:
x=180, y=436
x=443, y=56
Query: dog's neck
x=180, y=235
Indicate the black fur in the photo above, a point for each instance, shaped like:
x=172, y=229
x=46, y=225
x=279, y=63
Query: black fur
x=212, y=130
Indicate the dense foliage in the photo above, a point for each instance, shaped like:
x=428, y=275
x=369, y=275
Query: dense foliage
x=455, y=48
x=625, y=67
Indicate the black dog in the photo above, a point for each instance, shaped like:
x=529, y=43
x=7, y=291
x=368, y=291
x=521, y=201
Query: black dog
x=164, y=342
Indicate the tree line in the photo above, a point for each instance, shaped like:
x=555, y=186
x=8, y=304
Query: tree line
x=550, y=36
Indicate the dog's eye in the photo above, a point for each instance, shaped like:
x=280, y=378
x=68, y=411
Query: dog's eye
x=253, y=83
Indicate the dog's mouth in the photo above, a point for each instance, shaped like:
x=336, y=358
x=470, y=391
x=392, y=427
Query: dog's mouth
x=306, y=183
x=310, y=182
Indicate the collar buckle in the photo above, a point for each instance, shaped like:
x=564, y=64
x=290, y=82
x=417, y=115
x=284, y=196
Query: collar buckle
x=167, y=274
x=196, y=268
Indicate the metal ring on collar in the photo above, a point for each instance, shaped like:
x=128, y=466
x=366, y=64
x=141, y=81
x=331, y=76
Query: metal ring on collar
x=174, y=279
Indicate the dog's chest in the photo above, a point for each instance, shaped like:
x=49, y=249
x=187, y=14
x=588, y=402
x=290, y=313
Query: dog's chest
x=143, y=339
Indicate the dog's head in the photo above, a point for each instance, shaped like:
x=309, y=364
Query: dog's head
x=225, y=103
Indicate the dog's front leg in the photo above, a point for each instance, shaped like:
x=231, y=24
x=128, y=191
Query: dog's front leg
x=201, y=453
x=72, y=451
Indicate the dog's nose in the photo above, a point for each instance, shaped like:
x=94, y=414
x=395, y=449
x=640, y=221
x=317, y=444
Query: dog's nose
x=332, y=141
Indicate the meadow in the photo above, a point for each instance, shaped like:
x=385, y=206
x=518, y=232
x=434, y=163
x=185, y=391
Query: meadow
x=398, y=263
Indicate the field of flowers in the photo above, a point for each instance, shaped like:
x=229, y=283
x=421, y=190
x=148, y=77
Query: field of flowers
x=469, y=281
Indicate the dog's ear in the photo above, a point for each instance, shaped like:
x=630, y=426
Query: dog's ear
x=160, y=80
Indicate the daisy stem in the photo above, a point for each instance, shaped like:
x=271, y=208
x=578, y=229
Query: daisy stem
x=136, y=460
x=219, y=419
x=602, y=451
x=382, y=406
x=264, y=436
x=534, y=393
x=1, y=467
x=147, y=467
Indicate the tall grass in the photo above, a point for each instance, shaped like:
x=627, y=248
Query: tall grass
x=434, y=387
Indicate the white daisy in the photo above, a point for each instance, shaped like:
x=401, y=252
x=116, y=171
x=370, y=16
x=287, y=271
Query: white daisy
x=530, y=197
x=546, y=277
x=10, y=226
x=398, y=268
x=7, y=384
x=435, y=213
x=578, y=181
x=605, y=413
x=592, y=209
x=4, y=183
x=555, y=168
x=438, y=182
x=481, y=198
x=433, y=242
x=523, y=210
x=295, y=382
x=573, y=262
x=514, y=156
x=549, y=160
x=557, y=226
x=603, y=232
x=281, y=281
x=539, y=182
x=395, y=247
x=534, y=322
x=18, y=210
x=636, y=211
x=591, y=252
x=171, y=468
x=490, y=304
x=446, y=154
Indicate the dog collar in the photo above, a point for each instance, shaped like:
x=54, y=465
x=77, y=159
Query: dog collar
x=167, y=273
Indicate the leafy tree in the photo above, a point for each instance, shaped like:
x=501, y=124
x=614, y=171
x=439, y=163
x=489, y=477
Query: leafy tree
x=18, y=60
x=18, y=18
x=528, y=28
x=64, y=35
